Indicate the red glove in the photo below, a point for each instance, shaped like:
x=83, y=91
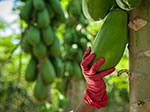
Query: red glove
x=96, y=89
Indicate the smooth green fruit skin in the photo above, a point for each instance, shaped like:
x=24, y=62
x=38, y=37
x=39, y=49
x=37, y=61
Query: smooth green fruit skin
x=39, y=51
x=79, y=55
x=128, y=4
x=69, y=67
x=56, y=6
x=38, y=4
x=111, y=39
x=47, y=35
x=25, y=45
x=50, y=10
x=40, y=91
x=43, y=18
x=30, y=74
x=59, y=67
x=77, y=71
x=96, y=9
x=33, y=36
x=48, y=72
x=26, y=11
x=54, y=49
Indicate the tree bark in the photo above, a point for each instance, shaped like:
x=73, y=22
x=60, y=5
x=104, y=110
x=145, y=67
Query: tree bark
x=139, y=60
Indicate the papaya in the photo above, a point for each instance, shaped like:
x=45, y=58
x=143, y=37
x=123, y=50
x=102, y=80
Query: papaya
x=50, y=11
x=39, y=51
x=38, y=4
x=56, y=6
x=58, y=65
x=77, y=71
x=54, y=49
x=68, y=37
x=83, y=42
x=33, y=36
x=128, y=5
x=40, y=91
x=61, y=16
x=96, y=9
x=25, y=13
x=25, y=45
x=43, y=18
x=48, y=72
x=47, y=35
x=79, y=55
x=30, y=74
x=69, y=67
x=72, y=50
x=111, y=39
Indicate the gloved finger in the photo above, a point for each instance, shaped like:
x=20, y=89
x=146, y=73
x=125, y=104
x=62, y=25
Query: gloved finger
x=84, y=64
x=106, y=72
x=96, y=65
x=86, y=53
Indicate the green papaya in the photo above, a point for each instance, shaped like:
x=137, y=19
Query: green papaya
x=59, y=67
x=54, y=49
x=48, y=72
x=72, y=50
x=56, y=6
x=39, y=51
x=26, y=11
x=83, y=42
x=68, y=37
x=69, y=67
x=47, y=35
x=50, y=10
x=43, y=18
x=40, y=91
x=33, y=36
x=77, y=71
x=38, y=4
x=25, y=45
x=111, y=39
x=30, y=74
x=79, y=55
x=128, y=4
x=96, y=9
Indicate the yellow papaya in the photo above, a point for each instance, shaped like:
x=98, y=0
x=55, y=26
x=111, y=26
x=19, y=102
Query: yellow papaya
x=31, y=74
x=48, y=72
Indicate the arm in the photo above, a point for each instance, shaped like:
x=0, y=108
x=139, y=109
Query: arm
x=95, y=95
x=84, y=107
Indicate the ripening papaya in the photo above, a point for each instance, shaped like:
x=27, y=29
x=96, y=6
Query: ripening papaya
x=39, y=51
x=43, y=18
x=33, y=36
x=30, y=74
x=59, y=67
x=77, y=71
x=128, y=4
x=111, y=39
x=48, y=72
x=26, y=11
x=40, y=91
x=96, y=9
x=54, y=49
x=50, y=10
x=47, y=35
x=38, y=4
x=25, y=45
x=56, y=6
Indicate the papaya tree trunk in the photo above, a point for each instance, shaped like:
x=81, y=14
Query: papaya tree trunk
x=139, y=58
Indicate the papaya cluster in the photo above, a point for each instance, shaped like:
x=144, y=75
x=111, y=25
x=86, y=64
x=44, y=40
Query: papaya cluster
x=41, y=42
x=75, y=41
x=111, y=39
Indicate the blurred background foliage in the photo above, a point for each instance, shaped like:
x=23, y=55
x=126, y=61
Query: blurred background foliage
x=16, y=94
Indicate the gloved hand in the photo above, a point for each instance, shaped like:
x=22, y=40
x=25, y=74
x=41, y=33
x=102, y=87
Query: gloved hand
x=95, y=94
